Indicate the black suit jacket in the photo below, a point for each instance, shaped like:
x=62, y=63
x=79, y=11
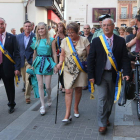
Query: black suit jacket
x=11, y=46
x=97, y=59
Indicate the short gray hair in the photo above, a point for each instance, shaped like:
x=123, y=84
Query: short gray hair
x=108, y=19
x=86, y=25
x=12, y=29
x=3, y=19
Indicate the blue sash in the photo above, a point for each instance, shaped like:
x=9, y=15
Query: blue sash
x=114, y=64
x=78, y=63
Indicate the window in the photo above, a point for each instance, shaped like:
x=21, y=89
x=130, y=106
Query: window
x=134, y=11
x=123, y=12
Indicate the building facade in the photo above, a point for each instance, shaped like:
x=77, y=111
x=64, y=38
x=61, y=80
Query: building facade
x=87, y=11
x=16, y=12
x=127, y=10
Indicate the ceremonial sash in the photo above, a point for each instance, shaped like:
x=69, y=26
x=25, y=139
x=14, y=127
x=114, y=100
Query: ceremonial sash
x=78, y=62
x=9, y=56
x=114, y=64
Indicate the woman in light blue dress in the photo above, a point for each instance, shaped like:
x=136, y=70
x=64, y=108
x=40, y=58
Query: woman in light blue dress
x=43, y=64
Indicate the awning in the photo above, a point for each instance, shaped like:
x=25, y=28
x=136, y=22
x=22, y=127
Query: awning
x=52, y=16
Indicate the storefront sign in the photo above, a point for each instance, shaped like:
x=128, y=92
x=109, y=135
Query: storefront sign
x=52, y=16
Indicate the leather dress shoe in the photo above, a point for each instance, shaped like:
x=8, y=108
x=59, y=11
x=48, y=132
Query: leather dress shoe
x=102, y=130
x=108, y=123
x=11, y=110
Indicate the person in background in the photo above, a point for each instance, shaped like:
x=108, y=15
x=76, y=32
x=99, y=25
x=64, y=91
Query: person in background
x=89, y=35
x=103, y=74
x=51, y=32
x=132, y=23
x=93, y=30
x=24, y=41
x=33, y=26
x=129, y=34
x=87, y=32
x=43, y=64
x=61, y=34
x=122, y=32
x=13, y=31
x=21, y=30
x=74, y=78
x=8, y=69
x=100, y=31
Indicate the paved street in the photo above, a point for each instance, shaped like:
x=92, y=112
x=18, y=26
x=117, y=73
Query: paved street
x=26, y=123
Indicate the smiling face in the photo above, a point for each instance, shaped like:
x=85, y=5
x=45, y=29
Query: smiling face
x=2, y=26
x=72, y=34
x=27, y=27
x=42, y=30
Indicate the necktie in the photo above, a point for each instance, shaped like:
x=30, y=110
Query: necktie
x=109, y=42
x=0, y=50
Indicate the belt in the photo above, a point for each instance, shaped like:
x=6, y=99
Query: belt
x=44, y=55
x=108, y=70
x=43, y=62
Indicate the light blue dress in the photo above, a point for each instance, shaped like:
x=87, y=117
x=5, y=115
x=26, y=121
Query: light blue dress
x=43, y=63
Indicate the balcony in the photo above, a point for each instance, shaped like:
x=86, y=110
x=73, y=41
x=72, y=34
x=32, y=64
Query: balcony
x=124, y=16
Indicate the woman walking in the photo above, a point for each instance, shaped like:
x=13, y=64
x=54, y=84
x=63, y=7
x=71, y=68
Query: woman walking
x=61, y=34
x=74, y=78
x=43, y=64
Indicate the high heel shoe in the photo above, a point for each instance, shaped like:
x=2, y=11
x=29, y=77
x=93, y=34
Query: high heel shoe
x=67, y=120
x=76, y=115
x=42, y=110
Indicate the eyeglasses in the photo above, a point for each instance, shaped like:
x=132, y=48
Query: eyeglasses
x=108, y=25
x=70, y=33
x=86, y=28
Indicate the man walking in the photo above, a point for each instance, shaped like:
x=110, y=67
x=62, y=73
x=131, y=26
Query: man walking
x=103, y=73
x=26, y=52
x=7, y=68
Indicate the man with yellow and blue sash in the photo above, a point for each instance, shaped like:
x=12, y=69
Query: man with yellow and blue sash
x=9, y=63
x=107, y=57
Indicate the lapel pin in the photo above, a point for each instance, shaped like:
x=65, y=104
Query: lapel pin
x=8, y=36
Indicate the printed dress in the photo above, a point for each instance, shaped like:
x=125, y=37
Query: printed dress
x=43, y=63
x=73, y=77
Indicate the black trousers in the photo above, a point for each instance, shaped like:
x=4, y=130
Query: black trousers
x=9, y=87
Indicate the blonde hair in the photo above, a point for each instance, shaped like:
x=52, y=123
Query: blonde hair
x=38, y=37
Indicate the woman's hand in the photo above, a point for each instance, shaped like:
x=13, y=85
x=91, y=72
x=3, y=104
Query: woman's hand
x=55, y=69
x=59, y=66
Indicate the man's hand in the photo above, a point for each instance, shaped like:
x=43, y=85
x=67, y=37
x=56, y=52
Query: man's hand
x=92, y=80
x=17, y=72
x=127, y=78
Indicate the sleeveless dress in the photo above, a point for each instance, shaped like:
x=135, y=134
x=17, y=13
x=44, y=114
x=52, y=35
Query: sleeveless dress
x=43, y=63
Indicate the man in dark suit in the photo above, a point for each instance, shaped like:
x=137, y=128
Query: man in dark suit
x=8, y=69
x=24, y=41
x=103, y=74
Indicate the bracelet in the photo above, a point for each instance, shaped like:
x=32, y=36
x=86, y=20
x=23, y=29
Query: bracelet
x=60, y=62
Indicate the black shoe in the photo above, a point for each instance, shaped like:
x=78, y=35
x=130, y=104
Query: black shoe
x=11, y=110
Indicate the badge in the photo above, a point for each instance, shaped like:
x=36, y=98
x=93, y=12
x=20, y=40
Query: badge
x=5, y=52
x=74, y=54
x=8, y=36
x=92, y=96
x=110, y=54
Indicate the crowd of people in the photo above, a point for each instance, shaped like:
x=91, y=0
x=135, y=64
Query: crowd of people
x=80, y=58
